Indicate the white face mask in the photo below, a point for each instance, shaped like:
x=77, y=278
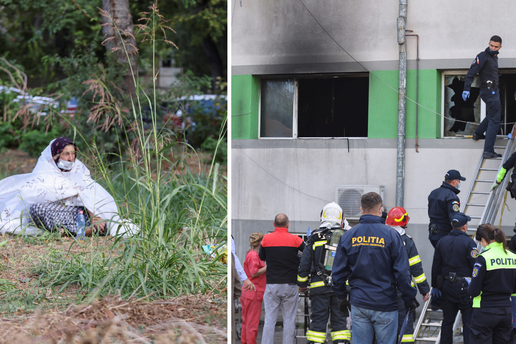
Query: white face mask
x=65, y=165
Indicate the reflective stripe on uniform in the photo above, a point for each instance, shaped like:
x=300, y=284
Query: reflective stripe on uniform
x=341, y=335
x=476, y=301
x=302, y=279
x=412, y=284
x=317, y=337
x=414, y=260
x=320, y=243
x=317, y=284
x=421, y=278
x=407, y=338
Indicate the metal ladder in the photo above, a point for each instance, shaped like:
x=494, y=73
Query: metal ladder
x=482, y=206
x=428, y=327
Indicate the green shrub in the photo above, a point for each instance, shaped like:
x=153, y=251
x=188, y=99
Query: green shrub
x=35, y=141
x=8, y=135
x=208, y=121
x=210, y=145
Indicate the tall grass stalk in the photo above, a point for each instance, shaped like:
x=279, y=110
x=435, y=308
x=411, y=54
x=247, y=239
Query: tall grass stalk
x=176, y=212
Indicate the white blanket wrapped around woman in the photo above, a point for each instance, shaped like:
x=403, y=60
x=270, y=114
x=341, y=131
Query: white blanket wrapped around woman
x=47, y=183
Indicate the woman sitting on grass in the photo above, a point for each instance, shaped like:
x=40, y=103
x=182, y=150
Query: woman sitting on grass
x=62, y=214
x=51, y=197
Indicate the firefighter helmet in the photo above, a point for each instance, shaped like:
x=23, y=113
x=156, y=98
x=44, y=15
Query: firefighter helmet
x=397, y=216
x=331, y=212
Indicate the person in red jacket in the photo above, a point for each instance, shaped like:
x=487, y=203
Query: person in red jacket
x=251, y=300
x=280, y=251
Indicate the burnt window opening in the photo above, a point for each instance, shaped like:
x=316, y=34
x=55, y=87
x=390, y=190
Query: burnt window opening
x=508, y=98
x=463, y=117
x=336, y=107
x=305, y=107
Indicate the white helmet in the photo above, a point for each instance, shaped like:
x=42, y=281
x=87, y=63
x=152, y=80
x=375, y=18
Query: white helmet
x=331, y=213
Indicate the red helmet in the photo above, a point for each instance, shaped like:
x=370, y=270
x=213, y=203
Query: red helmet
x=397, y=216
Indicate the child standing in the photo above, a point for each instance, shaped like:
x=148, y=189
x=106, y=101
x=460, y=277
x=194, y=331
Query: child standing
x=251, y=300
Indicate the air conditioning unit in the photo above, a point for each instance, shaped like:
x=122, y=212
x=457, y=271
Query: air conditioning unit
x=348, y=197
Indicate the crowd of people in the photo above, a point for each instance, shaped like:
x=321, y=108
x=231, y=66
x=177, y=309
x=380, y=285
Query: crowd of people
x=365, y=282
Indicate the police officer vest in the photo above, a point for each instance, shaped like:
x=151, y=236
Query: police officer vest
x=495, y=260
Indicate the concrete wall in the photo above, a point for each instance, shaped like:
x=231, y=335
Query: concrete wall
x=306, y=36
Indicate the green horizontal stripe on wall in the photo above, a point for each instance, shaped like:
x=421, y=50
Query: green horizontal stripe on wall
x=383, y=105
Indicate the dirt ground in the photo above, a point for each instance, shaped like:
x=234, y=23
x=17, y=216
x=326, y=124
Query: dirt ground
x=58, y=318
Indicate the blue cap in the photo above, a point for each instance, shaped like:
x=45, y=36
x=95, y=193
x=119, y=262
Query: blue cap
x=453, y=174
x=460, y=219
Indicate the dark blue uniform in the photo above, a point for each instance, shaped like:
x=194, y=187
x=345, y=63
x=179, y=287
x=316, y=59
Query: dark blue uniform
x=486, y=65
x=371, y=256
x=443, y=203
x=455, y=254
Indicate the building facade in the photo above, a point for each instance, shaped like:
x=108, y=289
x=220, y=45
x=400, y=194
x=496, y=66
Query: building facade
x=315, y=105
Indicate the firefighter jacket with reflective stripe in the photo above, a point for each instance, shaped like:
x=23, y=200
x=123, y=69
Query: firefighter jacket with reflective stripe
x=371, y=257
x=507, y=165
x=416, y=267
x=313, y=254
x=279, y=250
x=493, y=278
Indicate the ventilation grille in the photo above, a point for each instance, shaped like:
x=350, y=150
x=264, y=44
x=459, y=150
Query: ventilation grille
x=348, y=197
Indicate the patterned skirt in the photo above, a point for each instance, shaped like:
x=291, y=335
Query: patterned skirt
x=53, y=216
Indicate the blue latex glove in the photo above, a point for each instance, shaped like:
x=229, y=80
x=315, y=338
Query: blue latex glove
x=465, y=95
x=468, y=280
x=436, y=293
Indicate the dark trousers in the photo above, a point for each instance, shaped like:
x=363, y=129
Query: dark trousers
x=491, y=325
x=322, y=305
x=434, y=238
x=455, y=298
x=491, y=123
x=408, y=335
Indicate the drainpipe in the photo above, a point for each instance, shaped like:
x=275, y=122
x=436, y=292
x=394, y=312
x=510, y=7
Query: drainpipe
x=402, y=102
x=417, y=89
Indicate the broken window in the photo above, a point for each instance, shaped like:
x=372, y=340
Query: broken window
x=461, y=117
x=321, y=106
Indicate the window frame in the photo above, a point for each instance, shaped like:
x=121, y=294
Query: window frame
x=444, y=74
x=294, y=107
x=295, y=115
